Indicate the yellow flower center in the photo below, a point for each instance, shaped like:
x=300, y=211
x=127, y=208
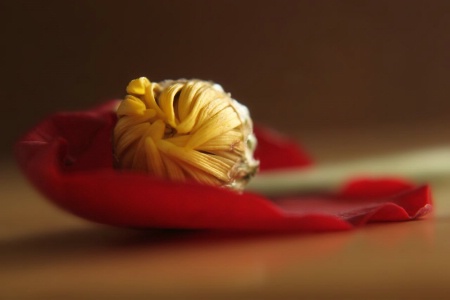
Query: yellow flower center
x=184, y=130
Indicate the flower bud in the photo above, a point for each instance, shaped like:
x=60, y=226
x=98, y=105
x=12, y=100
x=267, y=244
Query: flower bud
x=185, y=130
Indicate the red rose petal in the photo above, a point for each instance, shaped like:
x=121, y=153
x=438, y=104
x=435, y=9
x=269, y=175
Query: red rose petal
x=68, y=158
x=271, y=144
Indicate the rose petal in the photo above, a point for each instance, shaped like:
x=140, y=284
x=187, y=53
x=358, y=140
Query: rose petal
x=276, y=151
x=68, y=158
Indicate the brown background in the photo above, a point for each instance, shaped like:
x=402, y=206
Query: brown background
x=300, y=66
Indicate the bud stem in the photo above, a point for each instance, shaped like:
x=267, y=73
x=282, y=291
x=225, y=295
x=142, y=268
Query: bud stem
x=419, y=166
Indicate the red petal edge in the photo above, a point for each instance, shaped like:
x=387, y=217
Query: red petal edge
x=68, y=158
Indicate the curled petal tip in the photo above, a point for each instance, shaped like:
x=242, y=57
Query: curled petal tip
x=138, y=86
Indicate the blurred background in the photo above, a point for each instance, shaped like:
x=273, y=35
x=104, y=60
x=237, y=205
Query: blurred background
x=300, y=66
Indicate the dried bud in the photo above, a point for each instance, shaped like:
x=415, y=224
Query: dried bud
x=185, y=130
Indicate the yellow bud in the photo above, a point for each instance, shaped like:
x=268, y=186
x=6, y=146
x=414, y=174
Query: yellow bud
x=185, y=130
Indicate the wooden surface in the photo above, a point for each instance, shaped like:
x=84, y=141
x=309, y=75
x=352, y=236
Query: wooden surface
x=48, y=254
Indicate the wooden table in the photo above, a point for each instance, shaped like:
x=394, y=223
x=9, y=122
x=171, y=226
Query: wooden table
x=48, y=254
